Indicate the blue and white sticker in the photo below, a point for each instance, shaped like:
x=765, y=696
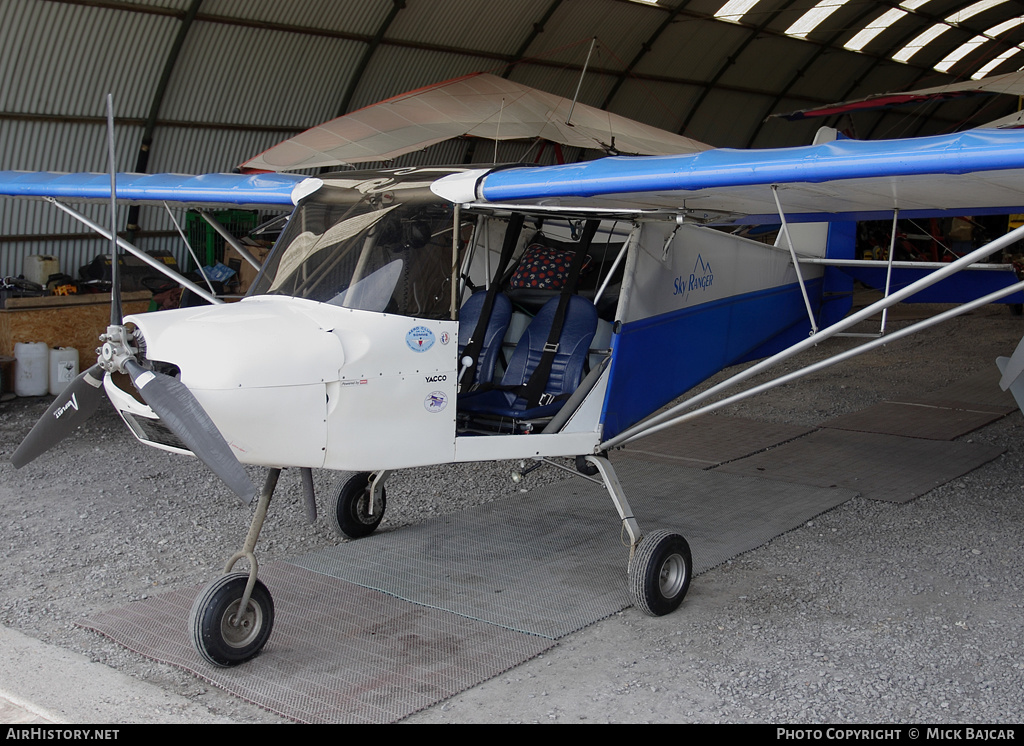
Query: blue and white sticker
x=445, y=338
x=419, y=339
x=436, y=401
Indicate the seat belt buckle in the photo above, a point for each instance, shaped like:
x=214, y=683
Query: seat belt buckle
x=549, y=347
x=545, y=399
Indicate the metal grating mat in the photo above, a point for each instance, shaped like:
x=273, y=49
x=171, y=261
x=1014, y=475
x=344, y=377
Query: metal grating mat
x=916, y=420
x=338, y=654
x=550, y=562
x=880, y=467
x=979, y=391
x=712, y=440
x=547, y=563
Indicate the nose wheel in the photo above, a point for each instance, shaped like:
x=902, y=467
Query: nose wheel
x=233, y=616
x=223, y=632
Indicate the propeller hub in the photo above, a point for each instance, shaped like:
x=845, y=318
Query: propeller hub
x=117, y=349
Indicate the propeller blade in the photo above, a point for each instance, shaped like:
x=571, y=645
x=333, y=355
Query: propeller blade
x=77, y=403
x=116, y=311
x=173, y=403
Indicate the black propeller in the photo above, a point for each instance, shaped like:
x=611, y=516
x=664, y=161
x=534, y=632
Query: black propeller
x=77, y=403
x=169, y=399
x=175, y=405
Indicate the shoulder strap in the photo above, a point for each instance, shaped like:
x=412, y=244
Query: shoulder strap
x=476, y=341
x=533, y=390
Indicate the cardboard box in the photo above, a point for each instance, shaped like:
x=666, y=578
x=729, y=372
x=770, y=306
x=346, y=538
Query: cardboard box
x=246, y=272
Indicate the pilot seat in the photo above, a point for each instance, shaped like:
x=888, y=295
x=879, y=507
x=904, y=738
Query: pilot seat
x=504, y=405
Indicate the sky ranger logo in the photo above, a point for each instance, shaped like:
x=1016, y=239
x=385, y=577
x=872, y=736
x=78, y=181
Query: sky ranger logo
x=700, y=279
x=73, y=404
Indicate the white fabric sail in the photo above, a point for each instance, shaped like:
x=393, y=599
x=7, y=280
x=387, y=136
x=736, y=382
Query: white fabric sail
x=1010, y=83
x=478, y=105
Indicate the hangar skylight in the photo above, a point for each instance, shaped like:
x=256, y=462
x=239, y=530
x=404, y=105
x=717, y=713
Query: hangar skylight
x=734, y=10
x=880, y=24
x=938, y=29
x=992, y=65
x=812, y=18
x=990, y=35
x=960, y=52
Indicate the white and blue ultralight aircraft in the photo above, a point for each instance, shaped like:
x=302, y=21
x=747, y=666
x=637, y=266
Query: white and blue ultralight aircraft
x=607, y=281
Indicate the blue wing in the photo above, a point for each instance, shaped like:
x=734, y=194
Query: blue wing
x=210, y=190
x=969, y=172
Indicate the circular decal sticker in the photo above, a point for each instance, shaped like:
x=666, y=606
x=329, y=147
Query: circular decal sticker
x=445, y=338
x=420, y=339
x=436, y=401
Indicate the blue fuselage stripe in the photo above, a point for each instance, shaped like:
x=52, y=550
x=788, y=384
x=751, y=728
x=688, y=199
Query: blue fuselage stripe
x=654, y=360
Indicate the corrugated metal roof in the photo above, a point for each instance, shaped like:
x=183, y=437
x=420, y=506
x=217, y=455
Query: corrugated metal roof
x=395, y=70
x=60, y=59
x=358, y=17
x=479, y=25
x=263, y=77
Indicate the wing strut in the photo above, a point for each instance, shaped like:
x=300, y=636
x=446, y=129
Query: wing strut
x=796, y=264
x=137, y=252
x=888, y=281
x=888, y=272
x=670, y=415
x=828, y=362
x=233, y=242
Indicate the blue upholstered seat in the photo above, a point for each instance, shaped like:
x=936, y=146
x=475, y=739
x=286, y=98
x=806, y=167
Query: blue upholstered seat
x=469, y=315
x=566, y=369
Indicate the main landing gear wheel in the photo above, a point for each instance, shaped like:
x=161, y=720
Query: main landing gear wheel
x=350, y=508
x=660, y=572
x=222, y=635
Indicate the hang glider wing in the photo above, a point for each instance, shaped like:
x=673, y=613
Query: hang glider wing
x=479, y=105
x=980, y=171
x=1011, y=83
x=207, y=190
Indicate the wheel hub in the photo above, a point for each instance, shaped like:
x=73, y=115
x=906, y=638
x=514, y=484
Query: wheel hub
x=240, y=630
x=672, y=576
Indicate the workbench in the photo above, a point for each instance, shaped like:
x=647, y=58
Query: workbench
x=62, y=321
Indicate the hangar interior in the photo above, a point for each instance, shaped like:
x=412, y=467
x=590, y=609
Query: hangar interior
x=204, y=85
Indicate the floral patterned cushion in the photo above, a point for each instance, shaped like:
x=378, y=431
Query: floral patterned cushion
x=544, y=268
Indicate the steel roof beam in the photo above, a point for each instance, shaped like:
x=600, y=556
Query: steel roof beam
x=142, y=161
x=396, y=7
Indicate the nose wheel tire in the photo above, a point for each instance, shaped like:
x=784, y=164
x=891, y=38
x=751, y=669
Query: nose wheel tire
x=221, y=633
x=350, y=509
x=660, y=573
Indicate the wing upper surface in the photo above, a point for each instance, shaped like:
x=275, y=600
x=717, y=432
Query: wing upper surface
x=979, y=170
x=210, y=190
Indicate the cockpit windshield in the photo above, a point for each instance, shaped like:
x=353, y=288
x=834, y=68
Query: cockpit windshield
x=371, y=252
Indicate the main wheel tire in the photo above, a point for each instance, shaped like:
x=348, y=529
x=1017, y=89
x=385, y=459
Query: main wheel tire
x=660, y=572
x=350, y=508
x=219, y=636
